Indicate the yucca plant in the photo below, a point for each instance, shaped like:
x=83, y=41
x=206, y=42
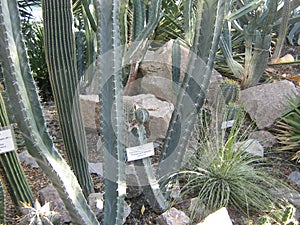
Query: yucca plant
x=222, y=175
x=287, y=129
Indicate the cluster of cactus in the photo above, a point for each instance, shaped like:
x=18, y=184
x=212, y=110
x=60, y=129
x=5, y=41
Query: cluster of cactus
x=39, y=215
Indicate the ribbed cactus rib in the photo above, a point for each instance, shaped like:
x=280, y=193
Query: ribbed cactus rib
x=193, y=90
x=13, y=173
x=25, y=105
x=112, y=123
x=61, y=59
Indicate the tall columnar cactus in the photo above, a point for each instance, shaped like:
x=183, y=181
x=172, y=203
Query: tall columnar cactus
x=61, y=59
x=191, y=97
x=24, y=103
x=112, y=122
x=13, y=174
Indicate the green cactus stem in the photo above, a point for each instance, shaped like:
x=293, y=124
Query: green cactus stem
x=257, y=42
x=112, y=122
x=61, y=58
x=176, y=62
x=2, y=205
x=144, y=170
x=13, y=174
x=229, y=90
x=24, y=103
x=191, y=97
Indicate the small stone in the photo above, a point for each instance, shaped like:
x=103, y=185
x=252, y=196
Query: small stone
x=264, y=137
x=221, y=216
x=251, y=146
x=197, y=209
x=96, y=168
x=295, y=177
x=27, y=159
x=173, y=216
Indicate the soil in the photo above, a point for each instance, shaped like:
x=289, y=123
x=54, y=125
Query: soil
x=138, y=216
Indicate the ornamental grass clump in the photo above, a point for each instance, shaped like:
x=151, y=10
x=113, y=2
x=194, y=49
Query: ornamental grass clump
x=224, y=175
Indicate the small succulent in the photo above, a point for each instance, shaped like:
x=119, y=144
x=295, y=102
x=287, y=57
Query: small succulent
x=39, y=215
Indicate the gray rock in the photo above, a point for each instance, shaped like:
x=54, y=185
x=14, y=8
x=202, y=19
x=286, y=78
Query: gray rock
x=89, y=109
x=27, y=159
x=50, y=194
x=96, y=168
x=155, y=74
x=160, y=114
x=295, y=177
x=251, y=146
x=266, y=138
x=221, y=216
x=173, y=216
x=265, y=103
x=197, y=209
x=93, y=140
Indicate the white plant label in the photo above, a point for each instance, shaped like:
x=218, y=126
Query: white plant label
x=7, y=143
x=140, y=152
x=227, y=124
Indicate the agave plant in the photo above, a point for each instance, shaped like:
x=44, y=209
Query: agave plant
x=287, y=129
x=223, y=174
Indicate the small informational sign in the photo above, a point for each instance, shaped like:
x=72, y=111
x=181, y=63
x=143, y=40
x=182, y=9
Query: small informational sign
x=7, y=142
x=140, y=152
x=227, y=124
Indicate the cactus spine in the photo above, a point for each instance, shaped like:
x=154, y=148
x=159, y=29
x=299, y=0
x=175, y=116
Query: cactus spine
x=112, y=124
x=24, y=102
x=60, y=57
x=192, y=94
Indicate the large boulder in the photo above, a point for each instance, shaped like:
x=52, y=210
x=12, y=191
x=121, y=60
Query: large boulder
x=267, y=102
x=155, y=73
x=160, y=114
